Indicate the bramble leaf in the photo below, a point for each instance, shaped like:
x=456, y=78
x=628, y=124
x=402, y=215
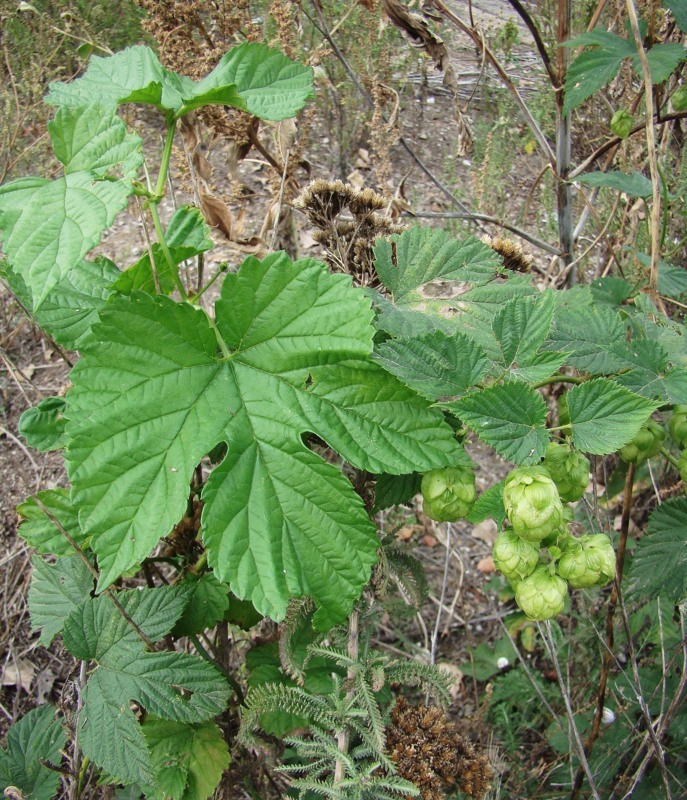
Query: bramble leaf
x=206, y=605
x=510, y=417
x=49, y=226
x=605, y=416
x=648, y=373
x=56, y=590
x=188, y=760
x=396, y=490
x=435, y=365
x=154, y=395
x=659, y=565
x=171, y=685
x=41, y=532
x=36, y=738
x=43, y=425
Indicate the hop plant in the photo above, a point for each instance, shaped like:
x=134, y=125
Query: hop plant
x=569, y=470
x=542, y=594
x=646, y=444
x=563, y=410
x=678, y=424
x=588, y=561
x=514, y=557
x=532, y=503
x=449, y=493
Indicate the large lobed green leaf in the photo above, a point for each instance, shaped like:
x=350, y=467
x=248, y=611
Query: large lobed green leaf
x=32, y=743
x=152, y=394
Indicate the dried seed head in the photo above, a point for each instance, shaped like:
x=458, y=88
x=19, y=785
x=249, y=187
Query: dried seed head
x=514, y=257
x=430, y=752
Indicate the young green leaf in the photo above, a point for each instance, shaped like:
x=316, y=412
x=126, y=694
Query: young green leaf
x=187, y=236
x=510, y=417
x=94, y=138
x=435, y=365
x=489, y=504
x=43, y=425
x=420, y=255
x=56, y=590
x=41, y=532
x=659, y=565
x=396, y=490
x=605, y=416
x=188, y=760
x=35, y=740
x=49, y=226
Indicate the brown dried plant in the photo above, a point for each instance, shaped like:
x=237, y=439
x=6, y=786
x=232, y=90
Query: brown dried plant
x=429, y=751
x=348, y=222
x=514, y=257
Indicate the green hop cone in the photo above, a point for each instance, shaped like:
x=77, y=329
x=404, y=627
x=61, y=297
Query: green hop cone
x=621, y=123
x=514, y=557
x=678, y=424
x=646, y=444
x=569, y=470
x=448, y=493
x=588, y=561
x=682, y=464
x=679, y=99
x=541, y=595
x=532, y=503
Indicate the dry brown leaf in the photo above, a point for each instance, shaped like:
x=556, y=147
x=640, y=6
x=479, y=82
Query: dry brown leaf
x=486, y=565
x=18, y=673
x=217, y=213
x=486, y=531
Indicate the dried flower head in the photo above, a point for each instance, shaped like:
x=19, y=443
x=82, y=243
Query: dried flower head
x=349, y=241
x=430, y=752
x=514, y=257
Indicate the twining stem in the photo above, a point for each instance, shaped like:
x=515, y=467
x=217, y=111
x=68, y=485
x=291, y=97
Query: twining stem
x=651, y=148
x=342, y=739
x=612, y=604
x=669, y=457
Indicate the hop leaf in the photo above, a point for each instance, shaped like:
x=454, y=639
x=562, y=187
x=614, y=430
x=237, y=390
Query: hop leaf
x=569, y=470
x=589, y=561
x=448, y=493
x=532, y=503
x=541, y=595
x=515, y=557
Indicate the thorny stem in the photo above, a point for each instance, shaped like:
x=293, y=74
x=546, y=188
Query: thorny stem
x=94, y=572
x=342, y=739
x=612, y=603
x=546, y=634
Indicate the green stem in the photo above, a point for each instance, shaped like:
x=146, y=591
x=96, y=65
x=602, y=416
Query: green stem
x=226, y=352
x=82, y=775
x=155, y=201
x=223, y=268
x=669, y=457
x=558, y=378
